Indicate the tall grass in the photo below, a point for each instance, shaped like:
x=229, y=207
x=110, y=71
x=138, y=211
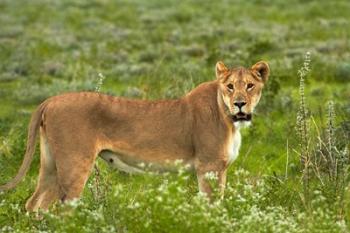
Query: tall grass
x=324, y=156
x=303, y=128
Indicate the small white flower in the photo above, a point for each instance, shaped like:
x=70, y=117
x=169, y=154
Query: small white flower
x=211, y=175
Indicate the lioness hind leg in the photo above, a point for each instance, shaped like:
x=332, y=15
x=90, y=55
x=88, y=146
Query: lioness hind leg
x=72, y=180
x=73, y=172
x=47, y=190
x=46, y=193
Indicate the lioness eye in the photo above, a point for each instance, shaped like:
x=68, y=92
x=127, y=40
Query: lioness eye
x=230, y=87
x=250, y=86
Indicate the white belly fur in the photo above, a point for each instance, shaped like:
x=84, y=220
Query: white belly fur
x=113, y=160
x=233, y=146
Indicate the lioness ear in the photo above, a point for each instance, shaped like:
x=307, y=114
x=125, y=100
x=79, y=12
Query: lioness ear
x=220, y=69
x=262, y=69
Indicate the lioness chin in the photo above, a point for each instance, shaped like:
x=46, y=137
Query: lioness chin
x=201, y=129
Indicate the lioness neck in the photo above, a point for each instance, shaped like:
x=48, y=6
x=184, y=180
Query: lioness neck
x=204, y=99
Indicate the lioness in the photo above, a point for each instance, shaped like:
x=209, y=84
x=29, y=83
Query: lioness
x=201, y=129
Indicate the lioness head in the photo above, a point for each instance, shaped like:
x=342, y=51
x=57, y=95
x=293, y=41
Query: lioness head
x=240, y=89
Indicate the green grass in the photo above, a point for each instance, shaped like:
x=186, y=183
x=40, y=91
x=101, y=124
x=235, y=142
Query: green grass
x=162, y=49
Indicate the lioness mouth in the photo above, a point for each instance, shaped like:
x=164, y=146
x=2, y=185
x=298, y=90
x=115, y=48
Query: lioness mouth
x=242, y=117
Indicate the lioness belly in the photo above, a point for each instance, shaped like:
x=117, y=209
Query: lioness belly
x=130, y=165
x=114, y=161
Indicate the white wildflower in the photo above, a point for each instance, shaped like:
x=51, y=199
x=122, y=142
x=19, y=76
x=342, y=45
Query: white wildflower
x=211, y=175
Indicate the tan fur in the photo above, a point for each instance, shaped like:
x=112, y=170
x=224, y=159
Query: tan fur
x=76, y=127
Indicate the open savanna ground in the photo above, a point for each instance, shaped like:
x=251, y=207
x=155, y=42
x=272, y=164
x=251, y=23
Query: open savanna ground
x=292, y=172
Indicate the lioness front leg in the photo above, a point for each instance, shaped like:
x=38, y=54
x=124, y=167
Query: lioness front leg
x=204, y=171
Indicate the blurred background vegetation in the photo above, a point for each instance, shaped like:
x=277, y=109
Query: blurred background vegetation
x=162, y=49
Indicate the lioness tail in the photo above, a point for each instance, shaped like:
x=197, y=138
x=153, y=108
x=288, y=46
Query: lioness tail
x=31, y=141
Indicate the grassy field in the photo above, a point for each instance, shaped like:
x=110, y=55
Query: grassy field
x=162, y=49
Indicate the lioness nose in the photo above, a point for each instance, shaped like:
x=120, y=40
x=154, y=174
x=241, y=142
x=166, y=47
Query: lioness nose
x=240, y=104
